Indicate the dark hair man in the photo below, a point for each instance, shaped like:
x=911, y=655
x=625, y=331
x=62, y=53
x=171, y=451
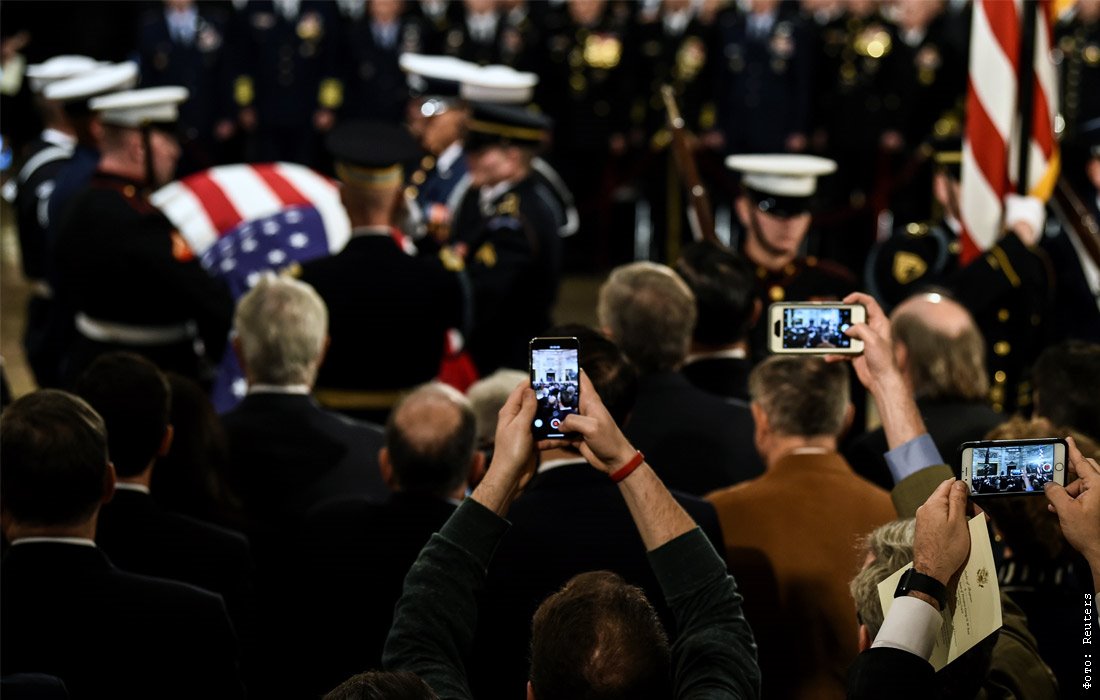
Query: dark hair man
x=1066, y=377
x=355, y=552
x=67, y=610
x=434, y=620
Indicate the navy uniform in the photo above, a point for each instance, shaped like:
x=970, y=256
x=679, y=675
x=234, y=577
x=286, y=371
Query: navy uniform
x=478, y=38
x=375, y=85
x=188, y=48
x=1077, y=50
x=764, y=80
x=437, y=17
x=507, y=234
x=287, y=70
x=389, y=311
x=29, y=191
x=128, y=275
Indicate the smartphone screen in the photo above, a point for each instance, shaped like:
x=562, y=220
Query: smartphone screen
x=1012, y=468
x=555, y=377
x=805, y=328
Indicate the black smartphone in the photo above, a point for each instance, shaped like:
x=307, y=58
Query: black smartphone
x=555, y=377
x=1012, y=467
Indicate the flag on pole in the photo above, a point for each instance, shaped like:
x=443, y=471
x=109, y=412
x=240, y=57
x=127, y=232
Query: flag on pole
x=1000, y=78
x=243, y=220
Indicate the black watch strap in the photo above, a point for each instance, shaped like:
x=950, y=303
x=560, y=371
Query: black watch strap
x=913, y=580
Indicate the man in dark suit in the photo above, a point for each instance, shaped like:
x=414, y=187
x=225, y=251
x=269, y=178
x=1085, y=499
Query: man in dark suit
x=699, y=441
x=389, y=311
x=133, y=397
x=570, y=519
x=355, y=553
x=725, y=301
x=942, y=357
x=67, y=611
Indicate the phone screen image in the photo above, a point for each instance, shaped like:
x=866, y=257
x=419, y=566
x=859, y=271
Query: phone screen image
x=1009, y=469
x=808, y=328
x=555, y=377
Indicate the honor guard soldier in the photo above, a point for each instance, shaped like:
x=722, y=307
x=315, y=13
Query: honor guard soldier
x=389, y=311
x=479, y=36
x=507, y=235
x=1077, y=50
x=129, y=276
x=287, y=83
x=184, y=44
x=1006, y=289
x=774, y=211
x=375, y=86
x=29, y=191
x=764, y=79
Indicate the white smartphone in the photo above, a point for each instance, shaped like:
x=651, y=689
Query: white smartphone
x=814, y=328
x=1012, y=467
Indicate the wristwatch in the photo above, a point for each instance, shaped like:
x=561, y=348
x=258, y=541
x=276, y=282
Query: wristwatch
x=913, y=580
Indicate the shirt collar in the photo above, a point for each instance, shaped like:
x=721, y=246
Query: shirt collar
x=296, y=389
x=731, y=354
x=365, y=231
x=555, y=463
x=492, y=193
x=82, y=541
x=58, y=138
x=448, y=157
x=130, y=486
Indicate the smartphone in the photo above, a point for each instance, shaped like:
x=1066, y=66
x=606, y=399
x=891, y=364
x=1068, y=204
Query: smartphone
x=814, y=328
x=1012, y=467
x=555, y=377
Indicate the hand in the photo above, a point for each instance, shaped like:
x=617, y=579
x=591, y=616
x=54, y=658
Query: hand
x=941, y=545
x=323, y=119
x=602, y=443
x=1025, y=216
x=876, y=365
x=1078, y=506
x=513, y=453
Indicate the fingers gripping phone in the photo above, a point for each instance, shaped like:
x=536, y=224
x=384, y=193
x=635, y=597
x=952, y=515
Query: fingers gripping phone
x=814, y=328
x=1012, y=467
x=555, y=378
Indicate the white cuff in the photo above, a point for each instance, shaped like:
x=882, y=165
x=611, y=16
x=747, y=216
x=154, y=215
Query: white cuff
x=1030, y=211
x=911, y=625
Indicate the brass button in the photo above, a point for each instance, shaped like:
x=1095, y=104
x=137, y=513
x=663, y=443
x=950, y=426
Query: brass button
x=776, y=293
x=1002, y=348
x=1000, y=376
x=129, y=190
x=1002, y=315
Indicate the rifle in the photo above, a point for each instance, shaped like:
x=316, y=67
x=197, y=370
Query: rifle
x=1077, y=219
x=700, y=214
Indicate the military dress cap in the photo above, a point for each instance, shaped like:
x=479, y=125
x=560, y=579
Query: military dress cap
x=435, y=76
x=947, y=143
x=97, y=81
x=505, y=125
x=781, y=184
x=498, y=84
x=138, y=108
x=59, y=68
x=915, y=257
x=371, y=154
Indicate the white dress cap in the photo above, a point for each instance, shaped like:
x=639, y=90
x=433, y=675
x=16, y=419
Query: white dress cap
x=502, y=84
x=58, y=68
x=434, y=68
x=97, y=81
x=135, y=108
x=782, y=174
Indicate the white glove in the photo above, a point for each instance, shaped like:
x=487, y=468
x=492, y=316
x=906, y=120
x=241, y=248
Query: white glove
x=1025, y=216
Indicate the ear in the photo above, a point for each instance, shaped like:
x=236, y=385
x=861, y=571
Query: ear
x=761, y=428
x=901, y=357
x=166, y=441
x=385, y=466
x=238, y=350
x=864, y=638
x=849, y=418
x=109, y=479
x=757, y=309
x=530, y=691
x=744, y=209
x=477, y=469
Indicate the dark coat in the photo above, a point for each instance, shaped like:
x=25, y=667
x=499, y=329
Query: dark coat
x=70, y=613
x=722, y=376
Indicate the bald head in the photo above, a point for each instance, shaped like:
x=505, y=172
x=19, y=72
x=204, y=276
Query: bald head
x=940, y=349
x=431, y=440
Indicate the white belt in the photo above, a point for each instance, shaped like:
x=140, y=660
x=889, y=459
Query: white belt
x=110, y=332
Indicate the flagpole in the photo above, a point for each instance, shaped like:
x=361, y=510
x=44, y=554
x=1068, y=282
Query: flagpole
x=1025, y=81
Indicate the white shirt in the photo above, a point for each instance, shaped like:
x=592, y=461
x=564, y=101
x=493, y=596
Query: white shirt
x=58, y=138
x=129, y=486
x=555, y=463
x=911, y=625
x=296, y=389
x=82, y=541
x=731, y=354
x=448, y=157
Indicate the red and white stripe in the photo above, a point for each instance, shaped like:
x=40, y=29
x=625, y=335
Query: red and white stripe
x=992, y=142
x=209, y=204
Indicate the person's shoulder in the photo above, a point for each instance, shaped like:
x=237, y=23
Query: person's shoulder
x=214, y=538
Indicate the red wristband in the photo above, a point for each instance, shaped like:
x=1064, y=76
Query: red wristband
x=628, y=468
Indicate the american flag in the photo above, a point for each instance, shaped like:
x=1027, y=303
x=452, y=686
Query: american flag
x=993, y=124
x=243, y=220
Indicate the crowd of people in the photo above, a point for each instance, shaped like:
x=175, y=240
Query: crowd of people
x=374, y=517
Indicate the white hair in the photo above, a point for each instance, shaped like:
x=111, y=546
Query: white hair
x=281, y=325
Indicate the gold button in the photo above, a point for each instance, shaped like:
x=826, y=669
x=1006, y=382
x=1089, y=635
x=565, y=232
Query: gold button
x=1002, y=315
x=999, y=377
x=789, y=269
x=427, y=162
x=1002, y=348
x=953, y=247
x=776, y=293
x=998, y=408
x=419, y=177
x=411, y=192
x=129, y=190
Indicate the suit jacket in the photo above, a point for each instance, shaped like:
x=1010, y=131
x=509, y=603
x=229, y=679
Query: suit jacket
x=289, y=455
x=696, y=442
x=723, y=376
x=791, y=539
x=949, y=422
x=141, y=537
x=354, y=555
x=68, y=612
x=570, y=519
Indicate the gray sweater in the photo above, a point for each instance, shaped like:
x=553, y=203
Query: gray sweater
x=713, y=656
